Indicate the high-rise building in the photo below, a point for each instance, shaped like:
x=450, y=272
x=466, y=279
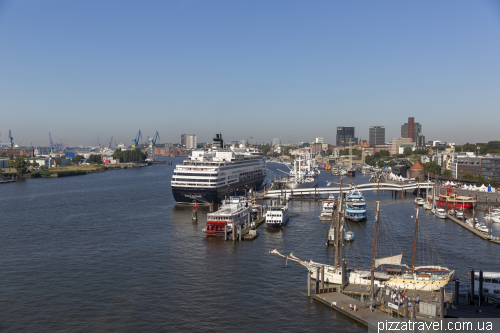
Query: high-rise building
x=377, y=135
x=189, y=141
x=345, y=135
x=276, y=141
x=411, y=129
x=320, y=140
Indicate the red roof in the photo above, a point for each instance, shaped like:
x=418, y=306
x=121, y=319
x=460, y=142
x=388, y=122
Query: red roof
x=417, y=166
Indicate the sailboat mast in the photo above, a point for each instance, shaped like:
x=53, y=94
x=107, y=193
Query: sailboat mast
x=337, y=243
x=415, y=238
x=375, y=242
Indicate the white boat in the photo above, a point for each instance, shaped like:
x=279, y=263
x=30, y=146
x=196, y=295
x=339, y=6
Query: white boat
x=355, y=206
x=305, y=172
x=419, y=201
x=452, y=212
x=349, y=236
x=234, y=211
x=481, y=227
x=491, y=283
x=441, y=213
x=427, y=206
x=460, y=214
x=277, y=215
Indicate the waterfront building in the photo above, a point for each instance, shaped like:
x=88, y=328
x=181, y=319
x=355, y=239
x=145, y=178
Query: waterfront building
x=397, y=142
x=345, y=135
x=490, y=168
x=463, y=163
x=376, y=135
x=411, y=129
x=16, y=151
x=276, y=141
x=421, y=141
x=417, y=171
x=189, y=141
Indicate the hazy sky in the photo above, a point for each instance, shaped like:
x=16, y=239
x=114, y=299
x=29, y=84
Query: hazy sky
x=85, y=69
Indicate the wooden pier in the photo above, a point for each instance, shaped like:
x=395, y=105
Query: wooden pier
x=484, y=236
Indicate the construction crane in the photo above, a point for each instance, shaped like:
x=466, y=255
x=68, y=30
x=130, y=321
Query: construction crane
x=99, y=143
x=115, y=144
x=152, y=143
x=110, y=143
x=251, y=140
x=11, y=140
x=136, y=140
x=51, y=142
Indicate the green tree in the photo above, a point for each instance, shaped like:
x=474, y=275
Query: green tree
x=447, y=173
x=328, y=152
x=479, y=180
x=19, y=164
x=4, y=154
x=468, y=176
x=59, y=161
x=417, y=179
x=384, y=153
x=432, y=167
x=407, y=151
x=34, y=164
x=494, y=183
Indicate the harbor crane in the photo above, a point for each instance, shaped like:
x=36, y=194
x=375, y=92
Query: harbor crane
x=136, y=140
x=110, y=143
x=11, y=140
x=152, y=143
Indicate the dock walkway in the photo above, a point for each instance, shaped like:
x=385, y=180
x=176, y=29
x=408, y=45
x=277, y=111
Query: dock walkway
x=487, y=237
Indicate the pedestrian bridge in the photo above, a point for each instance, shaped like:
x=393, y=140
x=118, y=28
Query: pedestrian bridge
x=398, y=187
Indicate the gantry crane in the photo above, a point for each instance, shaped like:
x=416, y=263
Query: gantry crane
x=136, y=140
x=11, y=140
x=152, y=143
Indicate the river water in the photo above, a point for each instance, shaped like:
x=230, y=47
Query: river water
x=113, y=252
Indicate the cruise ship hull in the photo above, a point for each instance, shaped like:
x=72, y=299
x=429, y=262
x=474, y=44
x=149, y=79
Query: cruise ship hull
x=190, y=195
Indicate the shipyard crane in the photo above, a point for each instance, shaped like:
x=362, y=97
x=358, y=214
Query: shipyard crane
x=110, y=143
x=152, y=143
x=11, y=140
x=136, y=140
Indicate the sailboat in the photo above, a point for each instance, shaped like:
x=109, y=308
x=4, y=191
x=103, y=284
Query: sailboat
x=388, y=270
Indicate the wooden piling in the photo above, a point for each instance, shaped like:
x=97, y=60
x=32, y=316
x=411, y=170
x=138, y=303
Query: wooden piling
x=472, y=287
x=457, y=296
x=308, y=284
x=441, y=313
x=317, y=277
x=405, y=305
x=322, y=277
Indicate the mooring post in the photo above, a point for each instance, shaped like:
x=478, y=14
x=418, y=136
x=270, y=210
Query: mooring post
x=225, y=232
x=480, y=287
x=405, y=305
x=239, y=233
x=457, y=288
x=309, y=284
x=441, y=313
x=317, y=278
x=322, y=277
x=234, y=231
x=472, y=287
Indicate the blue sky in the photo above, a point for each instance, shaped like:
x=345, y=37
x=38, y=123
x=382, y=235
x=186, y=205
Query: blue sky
x=84, y=70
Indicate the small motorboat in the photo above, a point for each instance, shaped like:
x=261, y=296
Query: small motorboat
x=420, y=201
x=460, y=214
x=481, y=227
x=349, y=236
x=427, y=206
x=441, y=213
x=452, y=212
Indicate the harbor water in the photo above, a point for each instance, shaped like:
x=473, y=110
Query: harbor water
x=113, y=252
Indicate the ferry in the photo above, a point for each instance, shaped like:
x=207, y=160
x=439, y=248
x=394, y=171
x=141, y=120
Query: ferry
x=209, y=175
x=355, y=206
x=234, y=211
x=277, y=215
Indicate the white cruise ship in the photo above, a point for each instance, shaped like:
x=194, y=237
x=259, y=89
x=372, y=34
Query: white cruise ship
x=209, y=175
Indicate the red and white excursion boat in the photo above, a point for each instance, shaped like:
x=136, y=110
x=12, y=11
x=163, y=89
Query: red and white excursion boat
x=234, y=211
x=454, y=200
